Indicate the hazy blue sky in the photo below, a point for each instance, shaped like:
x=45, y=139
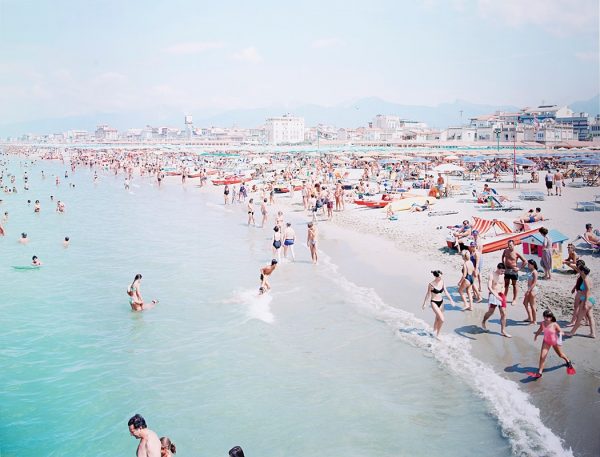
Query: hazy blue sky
x=72, y=57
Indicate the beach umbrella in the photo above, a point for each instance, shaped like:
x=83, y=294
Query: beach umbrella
x=524, y=162
x=419, y=160
x=448, y=168
x=590, y=162
x=259, y=161
x=451, y=157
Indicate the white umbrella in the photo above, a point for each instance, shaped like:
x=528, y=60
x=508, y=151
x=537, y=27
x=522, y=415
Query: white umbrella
x=447, y=168
x=259, y=161
x=451, y=157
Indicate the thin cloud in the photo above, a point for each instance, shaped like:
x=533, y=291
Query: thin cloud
x=326, y=43
x=193, y=47
x=587, y=56
x=250, y=55
x=559, y=17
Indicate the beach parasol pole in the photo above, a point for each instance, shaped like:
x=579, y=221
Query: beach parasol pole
x=515, y=155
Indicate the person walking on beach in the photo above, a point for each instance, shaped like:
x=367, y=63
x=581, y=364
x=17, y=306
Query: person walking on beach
x=149, y=443
x=558, y=183
x=510, y=258
x=435, y=289
x=263, y=211
x=552, y=339
x=585, y=299
x=226, y=193
x=497, y=299
x=251, y=212
x=289, y=238
x=136, y=301
x=311, y=241
x=167, y=447
x=529, y=300
x=467, y=280
x=277, y=242
x=265, y=272
x=549, y=182
x=546, y=261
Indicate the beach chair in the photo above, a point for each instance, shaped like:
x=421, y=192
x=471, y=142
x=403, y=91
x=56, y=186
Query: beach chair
x=532, y=195
x=587, y=206
x=494, y=204
x=586, y=244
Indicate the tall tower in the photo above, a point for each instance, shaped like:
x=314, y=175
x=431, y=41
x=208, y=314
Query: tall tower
x=189, y=125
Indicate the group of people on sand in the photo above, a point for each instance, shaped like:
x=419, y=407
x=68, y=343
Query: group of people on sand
x=151, y=445
x=503, y=279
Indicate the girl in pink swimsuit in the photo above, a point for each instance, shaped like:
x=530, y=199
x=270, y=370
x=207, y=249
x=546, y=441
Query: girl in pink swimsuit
x=551, y=340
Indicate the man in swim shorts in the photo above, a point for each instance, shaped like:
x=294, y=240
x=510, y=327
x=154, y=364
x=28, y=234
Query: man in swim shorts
x=265, y=272
x=289, y=238
x=510, y=258
x=497, y=298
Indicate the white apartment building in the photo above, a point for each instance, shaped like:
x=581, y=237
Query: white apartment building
x=285, y=130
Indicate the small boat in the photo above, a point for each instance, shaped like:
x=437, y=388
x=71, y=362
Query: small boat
x=194, y=175
x=281, y=189
x=229, y=181
x=372, y=203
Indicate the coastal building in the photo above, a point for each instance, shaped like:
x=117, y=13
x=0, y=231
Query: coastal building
x=285, y=129
x=106, y=133
x=540, y=113
x=580, y=123
x=595, y=129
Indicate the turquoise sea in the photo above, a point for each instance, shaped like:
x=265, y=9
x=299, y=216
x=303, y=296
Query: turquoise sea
x=317, y=367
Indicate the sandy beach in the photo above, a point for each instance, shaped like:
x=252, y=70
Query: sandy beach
x=395, y=258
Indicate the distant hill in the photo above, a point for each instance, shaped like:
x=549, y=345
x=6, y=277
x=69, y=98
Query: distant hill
x=591, y=106
x=349, y=114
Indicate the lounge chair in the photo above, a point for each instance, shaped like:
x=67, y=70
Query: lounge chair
x=586, y=244
x=532, y=195
x=495, y=204
x=587, y=206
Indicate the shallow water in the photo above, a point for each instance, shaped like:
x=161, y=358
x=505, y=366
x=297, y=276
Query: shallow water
x=316, y=367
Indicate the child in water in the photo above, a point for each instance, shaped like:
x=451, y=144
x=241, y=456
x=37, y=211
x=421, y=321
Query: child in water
x=552, y=339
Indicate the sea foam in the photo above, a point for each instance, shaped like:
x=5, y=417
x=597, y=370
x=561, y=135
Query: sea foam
x=518, y=418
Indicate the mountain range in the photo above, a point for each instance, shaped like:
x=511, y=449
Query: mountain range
x=350, y=114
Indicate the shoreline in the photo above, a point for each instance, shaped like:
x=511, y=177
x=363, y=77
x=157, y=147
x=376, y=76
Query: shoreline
x=376, y=252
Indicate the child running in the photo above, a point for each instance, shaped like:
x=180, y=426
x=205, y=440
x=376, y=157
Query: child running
x=552, y=339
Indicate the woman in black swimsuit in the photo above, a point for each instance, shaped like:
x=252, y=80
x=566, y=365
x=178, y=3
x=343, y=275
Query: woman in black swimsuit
x=435, y=291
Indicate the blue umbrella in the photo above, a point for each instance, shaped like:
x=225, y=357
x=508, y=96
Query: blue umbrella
x=525, y=161
x=590, y=162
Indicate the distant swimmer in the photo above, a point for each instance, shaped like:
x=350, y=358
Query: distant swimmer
x=66, y=242
x=2, y=230
x=236, y=452
x=23, y=239
x=135, y=295
x=35, y=261
x=311, y=241
x=37, y=207
x=60, y=207
x=265, y=272
x=497, y=298
x=149, y=443
x=126, y=184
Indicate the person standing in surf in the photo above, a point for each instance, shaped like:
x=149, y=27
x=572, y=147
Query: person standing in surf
x=497, y=298
x=136, y=301
x=552, y=339
x=435, y=291
x=265, y=272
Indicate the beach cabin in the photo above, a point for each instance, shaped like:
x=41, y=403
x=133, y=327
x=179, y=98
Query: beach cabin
x=532, y=247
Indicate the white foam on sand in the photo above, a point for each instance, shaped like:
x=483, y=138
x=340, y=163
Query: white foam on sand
x=257, y=306
x=518, y=418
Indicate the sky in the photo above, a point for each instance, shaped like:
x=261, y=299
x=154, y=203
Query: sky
x=62, y=58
